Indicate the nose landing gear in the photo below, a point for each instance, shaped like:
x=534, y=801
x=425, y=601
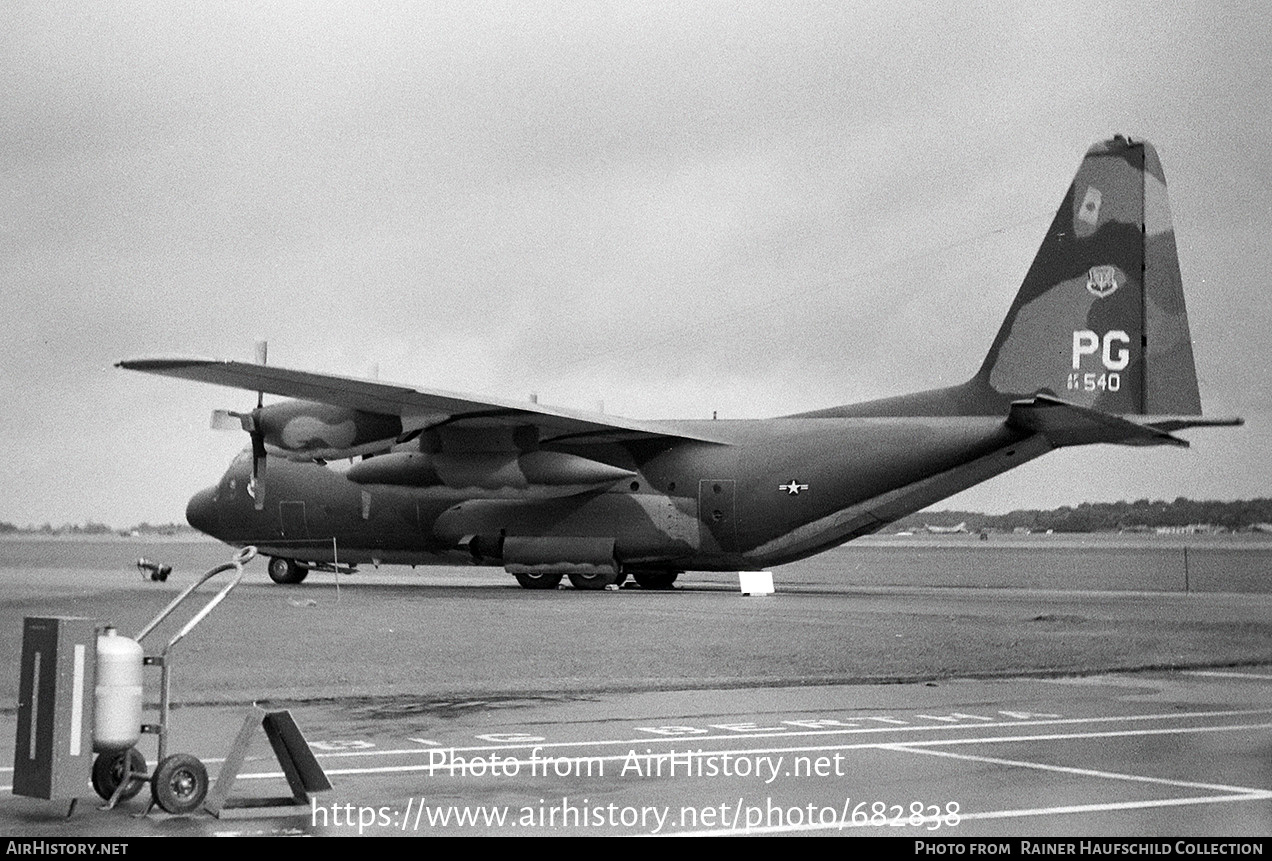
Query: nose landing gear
x=287, y=572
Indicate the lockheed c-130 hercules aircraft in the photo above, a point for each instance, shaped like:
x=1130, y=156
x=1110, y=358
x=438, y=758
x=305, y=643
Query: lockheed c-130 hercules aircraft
x=1095, y=349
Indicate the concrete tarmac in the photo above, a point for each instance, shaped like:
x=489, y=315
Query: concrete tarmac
x=456, y=703
x=1180, y=754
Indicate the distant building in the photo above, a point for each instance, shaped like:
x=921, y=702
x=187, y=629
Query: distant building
x=958, y=529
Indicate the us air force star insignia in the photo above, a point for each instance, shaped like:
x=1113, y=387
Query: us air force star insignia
x=793, y=488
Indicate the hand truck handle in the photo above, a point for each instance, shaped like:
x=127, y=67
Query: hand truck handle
x=236, y=564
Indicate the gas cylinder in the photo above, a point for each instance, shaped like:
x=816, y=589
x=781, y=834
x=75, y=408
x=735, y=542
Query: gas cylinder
x=117, y=697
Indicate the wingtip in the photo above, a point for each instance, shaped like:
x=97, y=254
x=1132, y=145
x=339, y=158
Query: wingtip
x=163, y=363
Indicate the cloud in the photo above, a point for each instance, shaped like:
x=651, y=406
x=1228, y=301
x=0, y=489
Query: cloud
x=756, y=209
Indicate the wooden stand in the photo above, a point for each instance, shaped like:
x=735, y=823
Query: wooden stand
x=300, y=766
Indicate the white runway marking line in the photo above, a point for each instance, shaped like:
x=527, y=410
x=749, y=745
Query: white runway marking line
x=415, y=751
x=910, y=746
x=682, y=739
x=1244, y=791
x=1232, y=793
x=974, y=817
x=872, y=745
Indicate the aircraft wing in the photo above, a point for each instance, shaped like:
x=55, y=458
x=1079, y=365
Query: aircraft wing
x=417, y=408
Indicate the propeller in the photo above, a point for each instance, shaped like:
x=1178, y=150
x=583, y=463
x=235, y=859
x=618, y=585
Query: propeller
x=250, y=422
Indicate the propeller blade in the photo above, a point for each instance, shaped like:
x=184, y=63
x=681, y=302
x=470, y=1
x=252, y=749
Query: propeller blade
x=257, y=487
x=262, y=354
x=258, y=436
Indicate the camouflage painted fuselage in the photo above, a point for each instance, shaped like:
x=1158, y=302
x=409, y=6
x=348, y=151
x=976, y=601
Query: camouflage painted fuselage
x=773, y=491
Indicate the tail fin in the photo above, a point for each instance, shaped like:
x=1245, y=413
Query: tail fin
x=1099, y=320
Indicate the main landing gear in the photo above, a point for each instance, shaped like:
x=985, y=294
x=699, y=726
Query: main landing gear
x=657, y=580
x=596, y=581
x=539, y=580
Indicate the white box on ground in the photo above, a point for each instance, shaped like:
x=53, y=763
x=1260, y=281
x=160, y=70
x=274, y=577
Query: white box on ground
x=755, y=582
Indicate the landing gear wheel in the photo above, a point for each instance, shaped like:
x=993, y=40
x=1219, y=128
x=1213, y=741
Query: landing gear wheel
x=180, y=784
x=110, y=769
x=539, y=581
x=655, y=579
x=286, y=571
x=591, y=582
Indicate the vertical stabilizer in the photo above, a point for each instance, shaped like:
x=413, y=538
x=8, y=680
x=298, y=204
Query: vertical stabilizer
x=1100, y=320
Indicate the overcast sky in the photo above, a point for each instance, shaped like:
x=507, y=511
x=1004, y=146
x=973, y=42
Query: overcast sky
x=752, y=208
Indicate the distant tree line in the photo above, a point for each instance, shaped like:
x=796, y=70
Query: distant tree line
x=92, y=528
x=1087, y=517
x=1106, y=516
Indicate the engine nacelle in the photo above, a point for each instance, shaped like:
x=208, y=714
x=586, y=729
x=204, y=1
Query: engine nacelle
x=486, y=470
x=322, y=431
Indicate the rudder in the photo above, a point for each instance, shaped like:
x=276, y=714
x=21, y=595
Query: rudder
x=1100, y=319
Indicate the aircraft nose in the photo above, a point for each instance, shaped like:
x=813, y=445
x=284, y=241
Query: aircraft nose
x=201, y=511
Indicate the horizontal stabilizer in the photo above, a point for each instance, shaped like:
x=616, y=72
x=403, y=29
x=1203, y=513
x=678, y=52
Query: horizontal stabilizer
x=1063, y=423
x=1174, y=423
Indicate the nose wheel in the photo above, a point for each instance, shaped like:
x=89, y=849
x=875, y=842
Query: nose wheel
x=286, y=571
